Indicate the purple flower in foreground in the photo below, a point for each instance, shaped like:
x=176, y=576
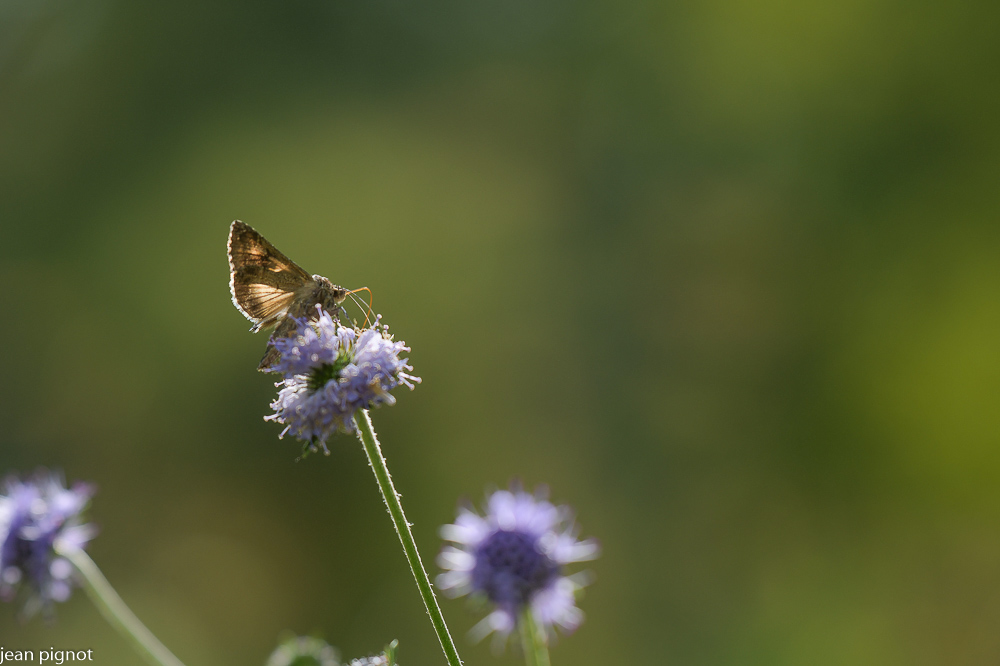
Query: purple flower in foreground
x=514, y=557
x=330, y=372
x=39, y=516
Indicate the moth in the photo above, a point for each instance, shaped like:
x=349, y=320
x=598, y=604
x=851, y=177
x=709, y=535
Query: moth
x=271, y=290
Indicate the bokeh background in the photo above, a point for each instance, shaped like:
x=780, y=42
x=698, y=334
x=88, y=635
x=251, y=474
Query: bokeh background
x=724, y=274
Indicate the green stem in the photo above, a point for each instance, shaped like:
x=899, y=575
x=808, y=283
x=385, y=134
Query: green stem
x=116, y=612
x=536, y=649
x=527, y=644
x=377, y=462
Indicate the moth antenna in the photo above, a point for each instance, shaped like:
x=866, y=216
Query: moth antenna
x=368, y=311
x=361, y=305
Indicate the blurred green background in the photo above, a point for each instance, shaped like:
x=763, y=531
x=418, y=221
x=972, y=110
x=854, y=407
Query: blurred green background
x=725, y=275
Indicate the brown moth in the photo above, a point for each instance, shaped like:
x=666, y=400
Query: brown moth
x=270, y=289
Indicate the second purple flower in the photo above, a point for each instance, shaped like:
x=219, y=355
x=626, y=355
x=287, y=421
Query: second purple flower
x=39, y=516
x=514, y=557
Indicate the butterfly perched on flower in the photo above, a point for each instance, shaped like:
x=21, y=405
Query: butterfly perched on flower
x=272, y=290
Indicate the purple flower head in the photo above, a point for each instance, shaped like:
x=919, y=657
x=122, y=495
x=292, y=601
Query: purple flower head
x=38, y=518
x=514, y=556
x=330, y=372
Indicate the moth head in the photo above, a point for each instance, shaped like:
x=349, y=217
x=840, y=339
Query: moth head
x=330, y=295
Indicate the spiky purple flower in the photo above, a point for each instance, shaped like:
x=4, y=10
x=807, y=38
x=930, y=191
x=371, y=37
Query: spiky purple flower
x=330, y=372
x=514, y=556
x=38, y=517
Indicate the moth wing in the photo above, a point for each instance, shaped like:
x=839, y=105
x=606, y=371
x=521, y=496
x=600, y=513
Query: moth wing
x=262, y=280
x=286, y=327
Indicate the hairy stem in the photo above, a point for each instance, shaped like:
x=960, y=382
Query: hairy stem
x=377, y=462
